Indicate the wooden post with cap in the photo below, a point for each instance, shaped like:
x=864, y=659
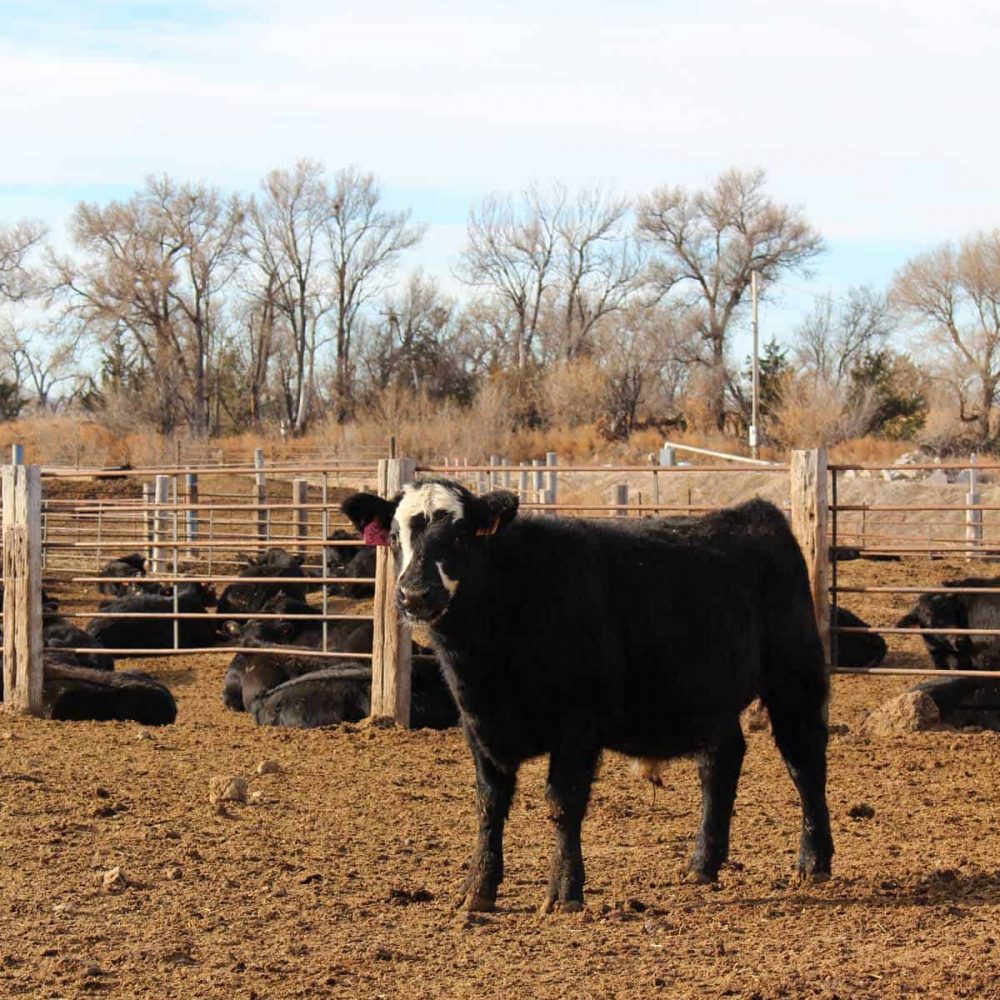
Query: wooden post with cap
x=391, y=646
x=22, y=593
x=810, y=511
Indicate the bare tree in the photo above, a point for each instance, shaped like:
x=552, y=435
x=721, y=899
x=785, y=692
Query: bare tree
x=365, y=241
x=18, y=279
x=952, y=296
x=285, y=243
x=708, y=243
x=833, y=339
x=510, y=253
x=599, y=266
x=43, y=361
x=154, y=266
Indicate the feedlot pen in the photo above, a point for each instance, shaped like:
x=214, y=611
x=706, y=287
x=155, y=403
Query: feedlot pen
x=339, y=876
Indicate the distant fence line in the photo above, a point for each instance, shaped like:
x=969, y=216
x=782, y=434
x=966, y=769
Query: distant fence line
x=193, y=533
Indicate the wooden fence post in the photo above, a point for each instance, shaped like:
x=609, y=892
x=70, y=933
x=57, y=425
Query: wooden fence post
x=973, y=518
x=22, y=593
x=300, y=490
x=391, y=650
x=810, y=511
x=260, y=495
x=161, y=522
x=191, y=483
x=619, y=498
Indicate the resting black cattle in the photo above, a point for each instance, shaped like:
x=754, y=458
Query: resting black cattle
x=59, y=633
x=350, y=561
x=342, y=693
x=857, y=649
x=71, y=692
x=133, y=565
x=959, y=652
x=246, y=598
x=156, y=633
x=563, y=637
x=250, y=674
x=965, y=701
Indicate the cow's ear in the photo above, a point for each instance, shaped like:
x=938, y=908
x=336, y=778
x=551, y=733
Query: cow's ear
x=492, y=512
x=363, y=508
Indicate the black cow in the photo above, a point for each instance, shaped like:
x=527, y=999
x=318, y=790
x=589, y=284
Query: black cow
x=350, y=561
x=563, y=637
x=250, y=674
x=156, y=633
x=133, y=565
x=965, y=701
x=959, y=652
x=73, y=692
x=342, y=693
x=857, y=649
x=246, y=598
x=59, y=633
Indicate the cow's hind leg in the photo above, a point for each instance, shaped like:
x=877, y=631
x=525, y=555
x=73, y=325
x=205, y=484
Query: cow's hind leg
x=799, y=727
x=571, y=772
x=719, y=769
x=494, y=792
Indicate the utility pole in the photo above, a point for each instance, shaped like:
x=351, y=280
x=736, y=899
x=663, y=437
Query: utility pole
x=755, y=403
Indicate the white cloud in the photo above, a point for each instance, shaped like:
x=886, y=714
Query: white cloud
x=876, y=116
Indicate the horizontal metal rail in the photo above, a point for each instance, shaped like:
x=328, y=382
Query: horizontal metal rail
x=221, y=650
x=291, y=581
x=213, y=616
x=912, y=671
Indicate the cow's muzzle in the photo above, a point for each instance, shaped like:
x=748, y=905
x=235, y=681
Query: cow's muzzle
x=422, y=605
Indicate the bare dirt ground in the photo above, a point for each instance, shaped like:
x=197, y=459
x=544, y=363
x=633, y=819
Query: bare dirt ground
x=338, y=879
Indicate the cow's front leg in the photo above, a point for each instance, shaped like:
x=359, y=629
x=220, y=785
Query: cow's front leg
x=571, y=772
x=494, y=793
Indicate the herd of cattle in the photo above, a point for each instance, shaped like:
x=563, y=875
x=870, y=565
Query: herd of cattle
x=279, y=687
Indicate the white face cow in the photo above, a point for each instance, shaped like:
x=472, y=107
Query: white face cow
x=436, y=531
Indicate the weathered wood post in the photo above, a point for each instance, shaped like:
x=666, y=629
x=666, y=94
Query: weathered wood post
x=391, y=641
x=619, y=498
x=191, y=491
x=148, y=496
x=973, y=518
x=300, y=490
x=260, y=495
x=161, y=523
x=552, y=461
x=22, y=593
x=522, y=486
x=810, y=512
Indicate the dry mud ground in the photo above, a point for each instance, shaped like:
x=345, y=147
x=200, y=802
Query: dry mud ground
x=340, y=881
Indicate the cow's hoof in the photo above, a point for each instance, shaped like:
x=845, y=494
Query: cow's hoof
x=812, y=877
x=698, y=873
x=560, y=906
x=473, y=902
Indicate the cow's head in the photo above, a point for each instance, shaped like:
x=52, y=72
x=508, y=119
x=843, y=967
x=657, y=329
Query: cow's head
x=437, y=530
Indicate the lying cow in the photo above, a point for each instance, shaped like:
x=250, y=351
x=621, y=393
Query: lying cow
x=356, y=561
x=110, y=632
x=71, y=691
x=250, y=674
x=564, y=637
x=857, y=649
x=133, y=565
x=59, y=633
x=959, y=652
x=342, y=693
x=247, y=598
x=965, y=701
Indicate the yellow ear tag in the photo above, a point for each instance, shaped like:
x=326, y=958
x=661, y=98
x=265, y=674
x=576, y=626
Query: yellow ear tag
x=492, y=530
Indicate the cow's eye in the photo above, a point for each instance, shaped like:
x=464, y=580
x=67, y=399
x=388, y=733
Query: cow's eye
x=394, y=537
x=457, y=542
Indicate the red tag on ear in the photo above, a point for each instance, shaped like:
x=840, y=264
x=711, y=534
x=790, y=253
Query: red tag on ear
x=375, y=534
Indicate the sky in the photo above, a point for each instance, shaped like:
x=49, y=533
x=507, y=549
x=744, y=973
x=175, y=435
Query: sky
x=876, y=117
